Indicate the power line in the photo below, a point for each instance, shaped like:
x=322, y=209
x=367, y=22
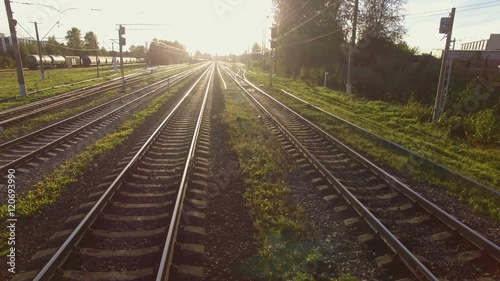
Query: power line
x=308, y=20
x=458, y=10
x=26, y=31
x=73, y=49
x=311, y=39
x=285, y=17
x=50, y=30
x=35, y=4
x=477, y=4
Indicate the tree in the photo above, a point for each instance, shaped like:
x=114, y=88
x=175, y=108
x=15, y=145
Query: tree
x=74, y=38
x=90, y=41
x=53, y=47
x=138, y=51
x=256, y=49
x=310, y=32
x=377, y=18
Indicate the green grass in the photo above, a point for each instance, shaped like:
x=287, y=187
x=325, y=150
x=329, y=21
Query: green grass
x=48, y=190
x=10, y=87
x=287, y=251
x=402, y=124
x=12, y=132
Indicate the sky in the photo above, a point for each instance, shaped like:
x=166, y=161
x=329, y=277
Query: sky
x=227, y=26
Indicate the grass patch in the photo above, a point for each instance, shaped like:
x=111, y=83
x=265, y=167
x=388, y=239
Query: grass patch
x=405, y=125
x=287, y=251
x=9, y=91
x=13, y=132
x=46, y=191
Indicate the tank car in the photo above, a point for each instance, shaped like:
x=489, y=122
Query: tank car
x=58, y=61
x=33, y=61
x=89, y=61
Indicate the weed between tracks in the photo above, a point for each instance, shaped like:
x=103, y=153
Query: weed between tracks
x=401, y=124
x=47, y=191
x=287, y=251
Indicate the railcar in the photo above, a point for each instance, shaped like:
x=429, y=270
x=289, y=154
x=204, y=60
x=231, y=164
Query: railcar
x=73, y=61
x=55, y=61
x=58, y=61
x=33, y=61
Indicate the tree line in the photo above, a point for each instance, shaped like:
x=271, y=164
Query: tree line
x=314, y=38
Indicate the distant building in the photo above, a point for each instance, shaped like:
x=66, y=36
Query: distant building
x=482, y=54
x=6, y=42
x=492, y=44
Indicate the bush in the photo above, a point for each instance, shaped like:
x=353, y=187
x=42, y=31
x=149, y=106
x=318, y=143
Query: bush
x=484, y=126
x=415, y=109
x=6, y=62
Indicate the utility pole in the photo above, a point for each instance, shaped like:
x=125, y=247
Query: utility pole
x=15, y=47
x=352, y=45
x=121, y=32
x=274, y=43
x=97, y=59
x=446, y=27
x=115, y=61
x=39, y=50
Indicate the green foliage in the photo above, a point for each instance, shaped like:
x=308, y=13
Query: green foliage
x=286, y=253
x=417, y=110
x=484, y=126
x=398, y=124
x=54, y=77
x=6, y=62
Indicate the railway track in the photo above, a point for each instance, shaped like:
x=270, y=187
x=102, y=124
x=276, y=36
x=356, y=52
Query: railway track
x=430, y=242
x=10, y=117
x=147, y=223
x=36, y=147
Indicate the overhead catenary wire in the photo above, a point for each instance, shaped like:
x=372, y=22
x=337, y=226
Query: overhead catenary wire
x=446, y=10
x=26, y=31
x=288, y=15
x=308, y=20
x=310, y=39
x=458, y=10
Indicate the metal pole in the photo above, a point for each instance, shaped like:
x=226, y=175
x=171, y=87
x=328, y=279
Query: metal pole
x=437, y=105
x=97, y=60
x=352, y=45
x=15, y=48
x=324, y=84
x=270, y=68
x=39, y=50
x=121, y=62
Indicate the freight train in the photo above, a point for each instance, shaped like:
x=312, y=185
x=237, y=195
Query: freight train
x=55, y=61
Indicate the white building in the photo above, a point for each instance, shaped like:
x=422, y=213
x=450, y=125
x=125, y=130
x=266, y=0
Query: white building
x=492, y=44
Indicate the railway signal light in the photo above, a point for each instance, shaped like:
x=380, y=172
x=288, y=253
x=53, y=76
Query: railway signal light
x=445, y=26
x=122, y=39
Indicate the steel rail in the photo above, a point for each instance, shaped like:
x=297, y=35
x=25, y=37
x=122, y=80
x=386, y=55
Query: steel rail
x=465, y=231
x=33, y=134
x=168, y=250
x=72, y=92
x=420, y=270
x=398, y=147
x=64, y=251
x=54, y=143
x=60, y=100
